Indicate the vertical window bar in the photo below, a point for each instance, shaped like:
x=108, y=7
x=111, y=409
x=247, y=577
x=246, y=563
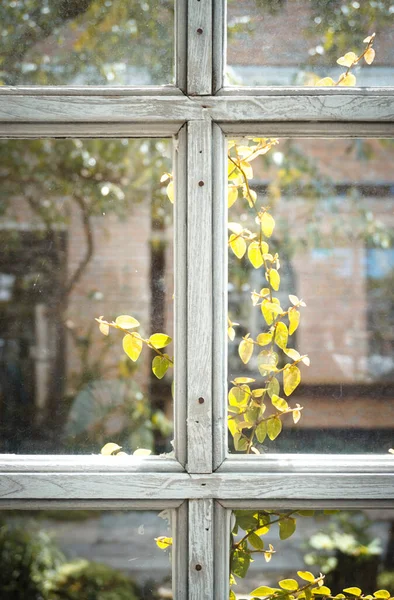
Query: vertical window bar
x=201, y=556
x=219, y=52
x=199, y=72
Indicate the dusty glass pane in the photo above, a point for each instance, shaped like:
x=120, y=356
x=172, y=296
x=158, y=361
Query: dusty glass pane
x=53, y=555
x=85, y=231
x=332, y=204
x=297, y=42
x=291, y=550
x=86, y=42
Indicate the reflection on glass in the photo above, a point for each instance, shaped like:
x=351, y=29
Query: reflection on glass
x=85, y=231
x=333, y=203
x=297, y=42
x=53, y=555
x=86, y=42
x=290, y=550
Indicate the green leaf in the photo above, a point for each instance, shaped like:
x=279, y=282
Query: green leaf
x=267, y=361
x=240, y=443
x=160, y=366
x=281, y=335
x=279, y=403
x=273, y=387
x=274, y=278
x=291, y=379
x=290, y=585
x=132, y=345
x=245, y=350
x=240, y=563
x=306, y=575
x=261, y=431
x=267, y=224
x=354, y=591
x=237, y=245
x=274, y=427
x=306, y=513
x=255, y=541
x=246, y=519
x=294, y=319
x=263, y=590
x=160, y=340
x=287, y=527
x=254, y=255
x=232, y=596
x=126, y=322
x=382, y=594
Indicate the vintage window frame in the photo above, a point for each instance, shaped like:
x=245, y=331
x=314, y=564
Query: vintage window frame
x=201, y=483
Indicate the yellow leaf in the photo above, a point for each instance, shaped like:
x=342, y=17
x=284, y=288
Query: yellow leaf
x=165, y=177
x=237, y=396
x=247, y=169
x=261, y=431
x=237, y=245
x=294, y=319
x=235, y=227
x=254, y=255
x=160, y=340
x=347, y=80
x=369, y=56
x=160, y=366
x=263, y=339
x=110, y=449
x=232, y=195
x=307, y=576
x=326, y=81
x=170, y=191
x=231, y=333
x=347, y=60
x=369, y=38
x=104, y=328
x=132, y=345
x=267, y=361
x=267, y=224
x=296, y=415
x=306, y=360
x=281, y=335
x=142, y=452
x=274, y=278
x=291, y=379
x=293, y=299
x=245, y=350
x=251, y=197
x=244, y=380
x=355, y=591
x=163, y=542
x=294, y=354
x=126, y=322
x=382, y=594
x=279, y=403
x=274, y=427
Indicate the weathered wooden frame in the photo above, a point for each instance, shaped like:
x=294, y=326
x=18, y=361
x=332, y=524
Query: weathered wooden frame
x=201, y=483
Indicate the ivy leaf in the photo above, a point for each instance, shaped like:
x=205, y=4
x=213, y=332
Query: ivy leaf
x=132, y=345
x=237, y=245
x=354, y=591
x=274, y=427
x=126, y=322
x=274, y=278
x=296, y=415
x=290, y=585
x=281, y=335
x=255, y=256
x=291, y=379
x=160, y=366
x=287, y=527
x=267, y=222
x=160, y=340
x=294, y=319
x=245, y=350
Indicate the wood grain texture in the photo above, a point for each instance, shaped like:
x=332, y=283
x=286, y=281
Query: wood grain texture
x=308, y=463
x=220, y=276
x=181, y=486
x=179, y=557
x=181, y=45
x=334, y=106
x=199, y=298
x=199, y=51
x=87, y=130
x=14, y=463
x=311, y=129
x=219, y=37
x=221, y=550
x=180, y=296
x=201, y=556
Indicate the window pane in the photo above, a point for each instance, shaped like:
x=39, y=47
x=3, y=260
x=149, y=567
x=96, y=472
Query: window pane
x=349, y=548
x=85, y=231
x=86, y=42
x=50, y=555
x=297, y=42
x=331, y=202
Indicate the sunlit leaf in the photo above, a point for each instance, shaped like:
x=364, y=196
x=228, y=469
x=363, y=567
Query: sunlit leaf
x=245, y=350
x=273, y=387
x=294, y=319
x=296, y=416
x=274, y=279
x=354, y=591
x=347, y=80
x=255, y=541
x=160, y=366
x=237, y=245
x=244, y=380
x=231, y=333
x=232, y=195
x=170, y=192
x=126, y=322
x=254, y=254
x=267, y=224
x=369, y=56
x=104, y=328
x=306, y=575
x=237, y=396
x=232, y=596
x=321, y=591
x=235, y=227
x=290, y=585
x=281, y=335
x=163, y=542
x=291, y=353
x=165, y=177
x=287, y=527
x=263, y=339
x=326, y=81
x=247, y=169
x=279, y=403
x=369, y=38
x=267, y=361
x=261, y=431
x=293, y=299
x=274, y=427
x=142, y=452
x=132, y=345
x=240, y=442
x=347, y=60
x=110, y=449
x=382, y=594
x=263, y=590
x=306, y=360
x=291, y=379
x=160, y=340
